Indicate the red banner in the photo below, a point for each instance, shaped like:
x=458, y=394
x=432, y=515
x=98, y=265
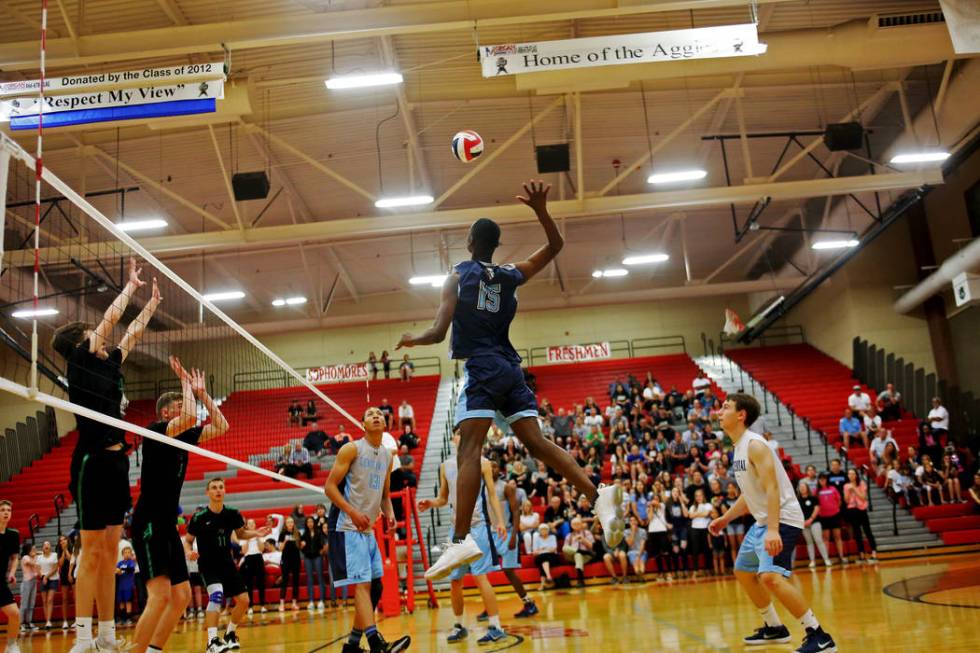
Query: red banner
x=574, y=353
x=337, y=373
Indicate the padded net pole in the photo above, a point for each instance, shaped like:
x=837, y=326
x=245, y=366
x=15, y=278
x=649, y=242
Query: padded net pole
x=38, y=171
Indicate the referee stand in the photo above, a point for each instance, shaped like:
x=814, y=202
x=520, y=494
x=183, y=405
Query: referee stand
x=393, y=601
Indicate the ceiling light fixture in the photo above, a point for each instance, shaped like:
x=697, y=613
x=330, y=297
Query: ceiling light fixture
x=363, y=81
x=289, y=301
x=645, y=258
x=30, y=312
x=835, y=244
x=920, y=157
x=435, y=280
x=131, y=226
x=408, y=200
x=224, y=295
x=612, y=272
x=680, y=175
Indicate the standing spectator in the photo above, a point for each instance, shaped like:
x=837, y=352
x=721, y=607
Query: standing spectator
x=658, y=535
x=700, y=514
x=836, y=476
x=810, y=479
x=386, y=363
x=939, y=418
x=126, y=585
x=951, y=476
x=406, y=369
x=717, y=542
x=373, y=366
x=889, y=403
x=680, y=526
x=829, y=500
x=289, y=542
x=858, y=401
x=579, y=548
x=299, y=463
x=312, y=545
x=64, y=577
x=735, y=531
x=812, y=530
x=48, y=581
x=406, y=415
x=851, y=426
x=253, y=567
x=315, y=440
x=197, y=584
x=389, y=412
x=544, y=547
x=29, y=569
x=295, y=413
x=856, y=497
x=562, y=423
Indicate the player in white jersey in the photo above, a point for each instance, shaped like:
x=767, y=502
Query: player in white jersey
x=765, y=559
x=358, y=489
x=488, y=512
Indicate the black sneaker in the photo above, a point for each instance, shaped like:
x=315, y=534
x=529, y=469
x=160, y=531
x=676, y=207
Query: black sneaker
x=379, y=645
x=769, y=635
x=817, y=641
x=529, y=610
x=351, y=648
x=231, y=641
x=482, y=616
x=217, y=645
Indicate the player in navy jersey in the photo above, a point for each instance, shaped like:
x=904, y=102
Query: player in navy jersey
x=479, y=299
x=9, y=550
x=159, y=550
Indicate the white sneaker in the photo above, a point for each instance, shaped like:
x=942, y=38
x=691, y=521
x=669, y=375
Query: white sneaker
x=609, y=511
x=105, y=644
x=813, y=564
x=81, y=647
x=12, y=647
x=282, y=606
x=263, y=610
x=311, y=606
x=251, y=611
x=454, y=554
x=64, y=625
x=320, y=606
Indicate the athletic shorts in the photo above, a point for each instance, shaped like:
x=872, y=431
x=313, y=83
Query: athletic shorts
x=159, y=550
x=493, y=385
x=489, y=561
x=196, y=579
x=100, y=487
x=224, y=573
x=752, y=555
x=636, y=557
x=509, y=558
x=51, y=585
x=6, y=596
x=735, y=529
x=830, y=522
x=354, y=558
x=125, y=593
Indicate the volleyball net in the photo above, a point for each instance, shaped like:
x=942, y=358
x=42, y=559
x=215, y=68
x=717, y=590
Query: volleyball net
x=64, y=262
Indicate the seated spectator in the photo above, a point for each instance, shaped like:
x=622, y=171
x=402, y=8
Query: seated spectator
x=691, y=433
x=282, y=460
x=295, y=413
x=929, y=442
x=700, y=383
x=530, y=521
x=544, y=548
x=406, y=463
x=872, y=423
x=974, y=493
x=299, y=463
x=932, y=482
x=900, y=484
x=889, y=403
x=579, y=548
x=406, y=414
x=408, y=438
x=271, y=554
x=951, y=475
x=545, y=408
x=678, y=451
x=340, y=439
x=547, y=430
x=878, y=445
x=557, y=516
x=562, y=424
x=851, y=427
x=389, y=412
x=406, y=370
x=939, y=418
x=708, y=433
x=315, y=441
x=858, y=402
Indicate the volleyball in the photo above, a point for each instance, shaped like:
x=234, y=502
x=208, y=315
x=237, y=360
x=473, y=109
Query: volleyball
x=467, y=145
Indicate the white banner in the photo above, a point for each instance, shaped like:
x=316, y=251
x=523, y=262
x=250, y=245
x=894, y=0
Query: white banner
x=963, y=23
x=55, y=85
x=675, y=45
x=124, y=97
x=573, y=353
x=337, y=373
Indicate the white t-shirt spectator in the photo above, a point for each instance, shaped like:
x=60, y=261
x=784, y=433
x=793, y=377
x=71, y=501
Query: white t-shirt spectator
x=878, y=445
x=872, y=423
x=405, y=411
x=541, y=544
x=658, y=519
x=272, y=558
x=899, y=481
x=701, y=383
x=701, y=516
x=859, y=401
x=252, y=546
x=774, y=445
x=593, y=420
x=648, y=393
x=389, y=443
x=942, y=414
x=48, y=564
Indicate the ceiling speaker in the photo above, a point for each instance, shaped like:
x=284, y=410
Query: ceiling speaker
x=844, y=136
x=553, y=158
x=250, y=185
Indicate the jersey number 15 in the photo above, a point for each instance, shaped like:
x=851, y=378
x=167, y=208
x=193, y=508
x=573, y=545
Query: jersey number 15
x=489, y=298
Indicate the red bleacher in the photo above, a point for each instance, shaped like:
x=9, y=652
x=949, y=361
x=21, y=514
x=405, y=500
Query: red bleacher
x=820, y=395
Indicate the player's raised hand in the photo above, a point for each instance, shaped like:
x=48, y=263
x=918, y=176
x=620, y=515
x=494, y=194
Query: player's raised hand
x=155, y=295
x=425, y=504
x=360, y=520
x=406, y=341
x=198, y=383
x=178, y=369
x=535, y=195
x=134, y=274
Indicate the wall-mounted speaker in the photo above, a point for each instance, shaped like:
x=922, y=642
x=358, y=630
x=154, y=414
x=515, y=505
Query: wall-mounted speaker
x=553, y=158
x=844, y=136
x=250, y=185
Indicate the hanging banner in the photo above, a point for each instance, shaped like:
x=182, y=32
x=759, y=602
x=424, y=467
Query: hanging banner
x=574, y=353
x=963, y=22
x=675, y=45
x=186, y=74
x=337, y=373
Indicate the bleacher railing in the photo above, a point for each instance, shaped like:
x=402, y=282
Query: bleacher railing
x=26, y=442
x=875, y=367
x=653, y=344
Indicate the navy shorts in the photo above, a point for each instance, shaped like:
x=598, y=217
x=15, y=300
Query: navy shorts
x=493, y=385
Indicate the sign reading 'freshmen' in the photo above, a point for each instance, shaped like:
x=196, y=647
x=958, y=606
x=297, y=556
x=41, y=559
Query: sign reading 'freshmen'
x=575, y=353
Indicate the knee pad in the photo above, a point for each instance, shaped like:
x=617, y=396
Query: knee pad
x=376, y=589
x=216, y=597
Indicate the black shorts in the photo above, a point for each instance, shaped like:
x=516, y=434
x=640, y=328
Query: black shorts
x=159, y=550
x=196, y=579
x=100, y=487
x=829, y=522
x=224, y=573
x=6, y=596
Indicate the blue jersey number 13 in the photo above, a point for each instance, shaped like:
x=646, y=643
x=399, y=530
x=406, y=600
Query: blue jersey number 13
x=489, y=299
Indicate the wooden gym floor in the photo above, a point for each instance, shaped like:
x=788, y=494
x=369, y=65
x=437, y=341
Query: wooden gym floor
x=916, y=605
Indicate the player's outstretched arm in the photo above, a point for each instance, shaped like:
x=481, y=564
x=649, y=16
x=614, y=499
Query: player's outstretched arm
x=443, y=498
x=444, y=317
x=331, y=487
x=536, y=197
x=115, y=311
x=188, y=414
x=135, y=329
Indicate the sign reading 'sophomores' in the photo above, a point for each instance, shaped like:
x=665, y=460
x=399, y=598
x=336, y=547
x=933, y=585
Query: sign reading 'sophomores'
x=675, y=45
x=573, y=353
x=337, y=373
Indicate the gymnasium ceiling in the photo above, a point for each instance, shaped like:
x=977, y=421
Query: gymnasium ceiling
x=319, y=234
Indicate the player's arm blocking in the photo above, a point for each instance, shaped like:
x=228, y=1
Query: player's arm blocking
x=443, y=498
x=537, y=199
x=135, y=329
x=218, y=425
x=188, y=414
x=444, y=317
x=331, y=487
x=760, y=456
x=115, y=311
x=497, y=512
